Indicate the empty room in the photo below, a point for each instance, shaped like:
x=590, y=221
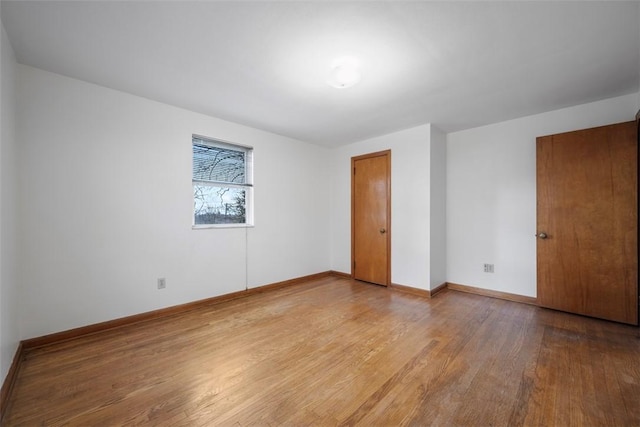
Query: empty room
x=319, y=213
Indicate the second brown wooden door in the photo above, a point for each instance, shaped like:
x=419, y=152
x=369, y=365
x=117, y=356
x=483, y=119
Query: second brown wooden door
x=587, y=222
x=371, y=217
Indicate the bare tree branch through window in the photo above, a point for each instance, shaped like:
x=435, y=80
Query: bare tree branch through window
x=220, y=182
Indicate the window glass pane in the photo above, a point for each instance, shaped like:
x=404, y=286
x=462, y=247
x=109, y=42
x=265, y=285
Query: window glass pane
x=219, y=205
x=218, y=164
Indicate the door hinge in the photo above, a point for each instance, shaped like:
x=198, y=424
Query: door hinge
x=354, y=264
x=354, y=170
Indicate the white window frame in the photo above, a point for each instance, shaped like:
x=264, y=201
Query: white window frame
x=247, y=186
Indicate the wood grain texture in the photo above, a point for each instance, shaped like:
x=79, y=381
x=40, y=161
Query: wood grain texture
x=340, y=274
x=490, y=293
x=441, y=287
x=9, y=380
x=424, y=293
x=371, y=217
x=587, y=204
x=336, y=351
x=156, y=314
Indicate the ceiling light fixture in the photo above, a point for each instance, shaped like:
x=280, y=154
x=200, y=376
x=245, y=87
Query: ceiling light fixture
x=345, y=73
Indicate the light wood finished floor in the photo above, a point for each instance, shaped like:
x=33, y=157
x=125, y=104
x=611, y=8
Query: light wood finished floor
x=339, y=352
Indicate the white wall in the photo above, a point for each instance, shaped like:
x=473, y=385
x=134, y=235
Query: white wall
x=9, y=335
x=292, y=195
x=106, y=205
x=410, y=164
x=491, y=193
x=438, y=205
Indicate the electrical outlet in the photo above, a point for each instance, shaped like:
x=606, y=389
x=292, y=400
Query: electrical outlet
x=162, y=283
x=488, y=268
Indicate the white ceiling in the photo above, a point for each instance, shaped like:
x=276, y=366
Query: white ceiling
x=265, y=64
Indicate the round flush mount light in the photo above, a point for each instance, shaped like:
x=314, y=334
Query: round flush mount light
x=345, y=72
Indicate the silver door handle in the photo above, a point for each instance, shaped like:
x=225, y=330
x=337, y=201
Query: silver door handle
x=541, y=235
x=382, y=231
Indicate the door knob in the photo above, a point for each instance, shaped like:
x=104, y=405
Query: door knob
x=382, y=231
x=542, y=235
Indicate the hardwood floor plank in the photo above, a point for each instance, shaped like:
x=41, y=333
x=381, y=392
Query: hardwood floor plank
x=334, y=351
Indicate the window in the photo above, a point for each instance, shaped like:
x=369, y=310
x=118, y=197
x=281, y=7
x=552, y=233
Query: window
x=222, y=183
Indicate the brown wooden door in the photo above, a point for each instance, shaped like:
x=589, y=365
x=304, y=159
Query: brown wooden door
x=371, y=217
x=587, y=222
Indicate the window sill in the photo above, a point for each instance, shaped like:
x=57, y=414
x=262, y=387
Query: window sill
x=213, y=226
